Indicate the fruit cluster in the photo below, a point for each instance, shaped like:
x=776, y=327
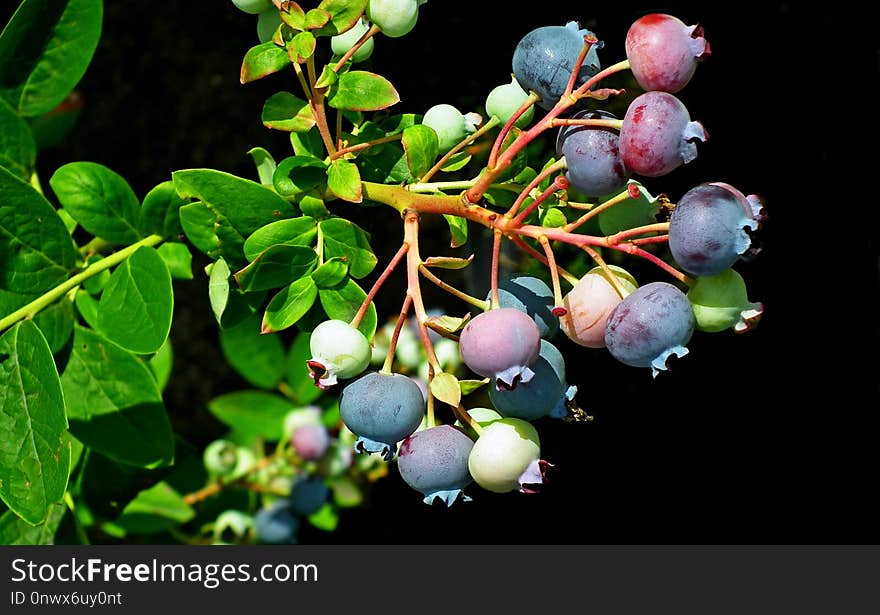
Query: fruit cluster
x=508, y=342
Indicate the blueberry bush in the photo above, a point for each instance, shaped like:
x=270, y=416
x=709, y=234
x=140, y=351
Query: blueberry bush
x=554, y=171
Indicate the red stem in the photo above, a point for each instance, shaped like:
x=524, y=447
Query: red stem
x=559, y=183
x=356, y=321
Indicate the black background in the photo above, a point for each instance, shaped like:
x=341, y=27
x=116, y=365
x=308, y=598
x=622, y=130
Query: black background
x=767, y=437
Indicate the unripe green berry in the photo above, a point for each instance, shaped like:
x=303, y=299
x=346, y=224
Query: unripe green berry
x=394, y=17
x=341, y=43
x=450, y=125
x=505, y=100
x=720, y=302
x=338, y=351
x=254, y=7
x=506, y=456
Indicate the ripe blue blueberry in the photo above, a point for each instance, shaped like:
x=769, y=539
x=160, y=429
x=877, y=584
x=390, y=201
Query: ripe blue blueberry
x=649, y=326
x=540, y=395
x=276, y=524
x=308, y=495
x=544, y=59
x=382, y=409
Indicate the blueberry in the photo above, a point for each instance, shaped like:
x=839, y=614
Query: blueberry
x=382, y=409
x=532, y=296
x=592, y=155
x=308, y=495
x=539, y=396
x=544, y=58
x=501, y=344
x=276, y=524
x=434, y=462
x=649, y=326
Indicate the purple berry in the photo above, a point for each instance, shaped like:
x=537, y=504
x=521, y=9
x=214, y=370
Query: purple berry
x=657, y=135
x=544, y=58
x=650, y=325
x=501, y=344
x=435, y=462
x=592, y=155
x=663, y=52
x=382, y=409
x=532, y=296
x=707, y=230
x=310, y=441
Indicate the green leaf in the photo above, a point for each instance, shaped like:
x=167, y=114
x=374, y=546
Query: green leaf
x=456, y=162
x=56, y=323
x=314, y=207
x=218, y=287
x=346, y=239
x=422, y=147
x=385, y=164
x=275, y=267
x=445, y=387
x=344, y=14
x=51, y=128
x=178, y=259
x=396, y=124
x=161, y=363
x=245, y=204
x=448, y=262
x=317, y=18
x=87, y=306
x=298, y=174
x=45, y=50
x=16, y=531
x=107, y=486
x=631, y=213
x=308, y=143
x=469, y=386
x=198, y=224
x=253, y=414
x=100, y=200
x=294, y=16
x=342, y=303
x=450, y=324
x=325, y=518
x=36, y=253
x=18, y=152
x=284, y=111
x=113, y=403
x=289, y=305
x=327, y=77
x=230, y=305
x=34, y=455
x=302, y=386
x=265, y=164
x=457, y=229
x=262, y=60
x=360, y=90
x=161, y=211
x=553, y=217
x=344, y=180
x=136, y=306
x=293, y=232
x=301, y=47
x=155, y=510
x=257, y=358
x=332, y=273
x=69, y=223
